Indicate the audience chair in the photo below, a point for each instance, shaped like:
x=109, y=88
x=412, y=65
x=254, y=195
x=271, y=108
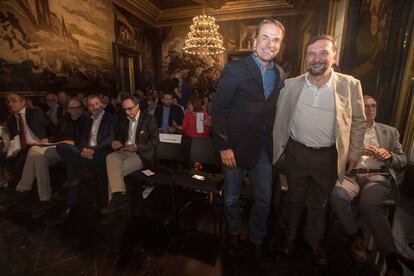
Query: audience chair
x=170, y=157
x=203, y=151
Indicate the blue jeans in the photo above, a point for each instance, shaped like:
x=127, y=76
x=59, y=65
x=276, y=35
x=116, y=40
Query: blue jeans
x=261, y=181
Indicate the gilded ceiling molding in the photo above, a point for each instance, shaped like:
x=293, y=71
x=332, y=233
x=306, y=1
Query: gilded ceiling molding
x=233, y=10
x=142, y=9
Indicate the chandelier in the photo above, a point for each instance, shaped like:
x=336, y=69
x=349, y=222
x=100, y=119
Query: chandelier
x=203, y=38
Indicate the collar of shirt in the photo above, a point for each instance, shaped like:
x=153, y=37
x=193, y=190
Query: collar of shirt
x=99, y=116
x=328, y=83
x=260, y=65
x=23, y=112
x=369, y=129
x=135, y=118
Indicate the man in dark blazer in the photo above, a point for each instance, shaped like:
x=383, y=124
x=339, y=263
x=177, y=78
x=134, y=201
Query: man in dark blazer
x=242, y=117
x=168, y=113
x=91, y=147
x=134, y=149
x=36, y=129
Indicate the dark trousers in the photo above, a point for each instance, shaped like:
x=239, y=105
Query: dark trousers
x=368, y=190
x=73, y=160
x=312, y=175
x=14, y=165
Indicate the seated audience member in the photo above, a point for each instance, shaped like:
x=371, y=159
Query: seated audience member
x=175, y=102
x=52, y=107
x=107, y=103
x=63, y=99
x=151, y=105
x=189, y=127
x=167, y=113
x=373, y=180
x=27, y=127
x=92, y=145
x=39, y=158
x=141, y=99
x=134, y=149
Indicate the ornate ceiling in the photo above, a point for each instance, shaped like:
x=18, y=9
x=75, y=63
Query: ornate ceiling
x=170, y=12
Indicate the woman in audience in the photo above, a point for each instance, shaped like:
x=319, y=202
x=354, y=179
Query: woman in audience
x=194, y=113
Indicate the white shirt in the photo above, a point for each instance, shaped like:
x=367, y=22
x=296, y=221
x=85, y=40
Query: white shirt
x=132, y=129
x=370, y=139
x=95, y=128
x=314, y=118
x=31, y=139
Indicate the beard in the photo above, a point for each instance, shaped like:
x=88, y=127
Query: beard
x=318, y=72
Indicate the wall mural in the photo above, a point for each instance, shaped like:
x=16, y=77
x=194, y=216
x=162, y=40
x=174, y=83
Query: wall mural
x=134, y=33
x=370, y=42
x=204, y=73
x=201, y=72
x=56, y=44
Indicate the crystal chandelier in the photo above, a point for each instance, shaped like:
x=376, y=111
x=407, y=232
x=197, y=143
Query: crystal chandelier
x=203, y=38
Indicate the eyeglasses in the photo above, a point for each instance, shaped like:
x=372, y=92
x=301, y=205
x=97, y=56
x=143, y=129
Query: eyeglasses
x=129, y=109
x=372, y=106
x=74, y=107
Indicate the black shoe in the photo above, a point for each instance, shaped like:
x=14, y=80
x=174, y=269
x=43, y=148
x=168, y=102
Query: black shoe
x=118, y=202
x=62, y=218
x=288, y=247
x=42, y=208
x=262, y=258
x=232, y=245
x=319, y=257
x=13, y=199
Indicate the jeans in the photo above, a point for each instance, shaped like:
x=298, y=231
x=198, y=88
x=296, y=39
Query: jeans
x=261, y=180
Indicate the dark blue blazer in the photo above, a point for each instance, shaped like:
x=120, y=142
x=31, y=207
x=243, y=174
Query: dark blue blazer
x=242, y=118
x=108, y=130
x=36, y=119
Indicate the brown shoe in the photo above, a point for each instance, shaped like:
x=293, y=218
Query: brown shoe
x=358, y=250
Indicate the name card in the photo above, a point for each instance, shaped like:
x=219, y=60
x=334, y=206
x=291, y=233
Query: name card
x=170, y=138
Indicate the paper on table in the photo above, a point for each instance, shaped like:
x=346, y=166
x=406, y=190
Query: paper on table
x=148, y=172
x=200, y=122
x=170, y=138
x=14, y=146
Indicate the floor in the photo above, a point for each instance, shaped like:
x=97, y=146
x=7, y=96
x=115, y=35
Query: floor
x=155, y=244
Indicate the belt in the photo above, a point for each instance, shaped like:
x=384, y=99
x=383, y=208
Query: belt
x=364, y=170
x=312, y=148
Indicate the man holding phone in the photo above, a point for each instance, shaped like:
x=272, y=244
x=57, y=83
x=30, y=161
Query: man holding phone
x=134, y=149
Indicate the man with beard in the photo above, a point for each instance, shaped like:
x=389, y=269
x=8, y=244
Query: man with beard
x=319, y=127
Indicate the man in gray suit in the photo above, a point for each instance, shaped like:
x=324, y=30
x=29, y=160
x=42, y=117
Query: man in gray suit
x=373, y=180
x=319, y=126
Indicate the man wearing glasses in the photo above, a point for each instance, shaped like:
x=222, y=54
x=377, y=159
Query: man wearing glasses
x=92, y=145
x=374, y=179
x=43, y=155
x=134, y=149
